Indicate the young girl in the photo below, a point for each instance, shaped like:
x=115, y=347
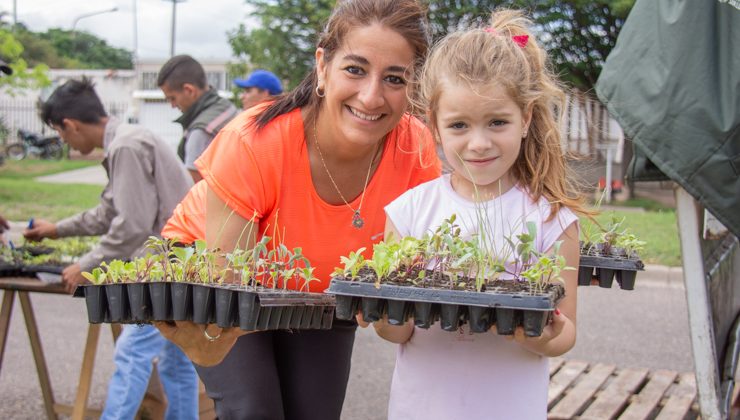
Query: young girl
x=490, y=102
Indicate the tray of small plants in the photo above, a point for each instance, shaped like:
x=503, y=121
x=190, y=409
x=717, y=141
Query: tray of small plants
x=609, y=253
x=47, y=256
x=447, y=279
x=267, y=291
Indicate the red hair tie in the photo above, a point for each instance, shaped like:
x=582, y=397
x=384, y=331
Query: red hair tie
x=520, y=40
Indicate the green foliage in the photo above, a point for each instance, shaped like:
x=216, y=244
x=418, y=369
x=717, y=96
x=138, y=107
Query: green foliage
x=24, y=76
x=444, y=253
x=578, y=35
x=97, y=276
x=285, y=40
x=352, y=264
x=61, y=48
x=451, y=15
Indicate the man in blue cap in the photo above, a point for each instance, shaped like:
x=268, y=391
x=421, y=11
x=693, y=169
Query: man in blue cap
x=260, y=85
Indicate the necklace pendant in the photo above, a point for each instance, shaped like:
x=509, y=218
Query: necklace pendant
x=357, y=221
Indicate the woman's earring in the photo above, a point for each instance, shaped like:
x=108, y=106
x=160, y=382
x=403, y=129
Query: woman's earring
x=320, y=92
x=524, y=134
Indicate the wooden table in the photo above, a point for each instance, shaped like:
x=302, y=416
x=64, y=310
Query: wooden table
x=154, y=402
x=20, y=286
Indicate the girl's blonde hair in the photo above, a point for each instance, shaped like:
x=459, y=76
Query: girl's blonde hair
x=485, y=57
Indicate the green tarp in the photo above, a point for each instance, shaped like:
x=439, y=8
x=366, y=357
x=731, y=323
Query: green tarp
x=673, y=84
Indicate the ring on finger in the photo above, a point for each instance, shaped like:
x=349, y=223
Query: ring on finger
x=210, y=337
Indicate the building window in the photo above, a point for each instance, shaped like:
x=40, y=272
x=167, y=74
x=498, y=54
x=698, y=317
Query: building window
x=149, y=80
x=215, y=79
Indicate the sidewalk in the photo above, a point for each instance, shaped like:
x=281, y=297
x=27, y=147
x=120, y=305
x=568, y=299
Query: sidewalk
x=94, y=175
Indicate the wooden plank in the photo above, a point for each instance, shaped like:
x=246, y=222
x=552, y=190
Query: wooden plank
x=6, y=311
x=682, y=396
x=565, y=376
x=643, y=404
x=86, y=371
x=555, y=364
x=38, y=354
x=577, y=398
x=66, y=409
x=614, y=398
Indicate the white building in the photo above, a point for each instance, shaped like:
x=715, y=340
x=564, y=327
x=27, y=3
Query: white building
x=132, y=95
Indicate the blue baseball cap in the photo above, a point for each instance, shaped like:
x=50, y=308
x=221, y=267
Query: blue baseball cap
x=262, y=79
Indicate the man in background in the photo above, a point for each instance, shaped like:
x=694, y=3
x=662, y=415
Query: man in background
x=145, y=183
x=259, y=86
x=184, y=84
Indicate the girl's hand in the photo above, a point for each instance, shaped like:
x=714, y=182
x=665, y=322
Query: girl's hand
x=360, y=320
x=557, y=337
x=192, y=339
x=398, y=334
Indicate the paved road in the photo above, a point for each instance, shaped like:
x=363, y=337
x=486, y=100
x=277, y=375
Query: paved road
x=646, y=327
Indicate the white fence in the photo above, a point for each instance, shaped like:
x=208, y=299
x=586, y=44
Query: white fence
x=23, y=114
x=589, y=131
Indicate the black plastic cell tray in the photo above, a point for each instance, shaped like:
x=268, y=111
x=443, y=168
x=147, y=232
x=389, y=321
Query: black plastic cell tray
x=611, y=263
x=489, y=299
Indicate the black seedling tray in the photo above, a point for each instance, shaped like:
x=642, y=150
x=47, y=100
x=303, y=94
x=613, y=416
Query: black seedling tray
x=226, y=305
x=451, y=307
x=20, y=270
x=31, y=270
x=10, y=270
x=605, y=269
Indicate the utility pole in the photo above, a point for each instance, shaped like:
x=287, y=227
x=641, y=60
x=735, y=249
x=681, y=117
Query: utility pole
x=172, y=32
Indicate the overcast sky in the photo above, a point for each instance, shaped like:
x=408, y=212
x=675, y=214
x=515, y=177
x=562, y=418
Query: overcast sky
x=201, y=24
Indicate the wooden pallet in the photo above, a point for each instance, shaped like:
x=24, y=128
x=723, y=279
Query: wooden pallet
x=579, y=390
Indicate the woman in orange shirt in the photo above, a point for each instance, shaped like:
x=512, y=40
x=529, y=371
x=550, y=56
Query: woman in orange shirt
x=319, y=164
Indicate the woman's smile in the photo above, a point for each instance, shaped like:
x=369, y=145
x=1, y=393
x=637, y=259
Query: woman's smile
x=371, y=117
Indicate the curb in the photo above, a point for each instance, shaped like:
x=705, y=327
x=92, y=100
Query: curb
x=661, y=275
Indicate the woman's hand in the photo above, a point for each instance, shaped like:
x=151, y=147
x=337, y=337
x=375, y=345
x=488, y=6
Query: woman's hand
x=557, y=337
x=192, y=339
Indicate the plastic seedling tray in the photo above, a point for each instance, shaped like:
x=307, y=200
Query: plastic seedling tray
x=226, y=305
x=605, y=269
x=451, y=308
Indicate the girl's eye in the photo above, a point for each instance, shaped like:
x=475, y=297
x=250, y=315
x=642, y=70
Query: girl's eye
x=457, y=125
x=353, y=70
x=497, y=123
x=396, y=80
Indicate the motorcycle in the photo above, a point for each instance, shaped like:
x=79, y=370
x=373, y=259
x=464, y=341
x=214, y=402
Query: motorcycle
x=45, y=147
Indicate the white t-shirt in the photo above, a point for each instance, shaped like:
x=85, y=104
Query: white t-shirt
x=460, y=375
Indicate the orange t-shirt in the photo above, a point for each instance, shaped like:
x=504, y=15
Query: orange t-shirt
x=267, y=173
x=188, y=222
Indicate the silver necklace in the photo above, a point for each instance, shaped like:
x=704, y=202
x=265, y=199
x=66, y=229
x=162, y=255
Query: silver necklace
x=357, y=221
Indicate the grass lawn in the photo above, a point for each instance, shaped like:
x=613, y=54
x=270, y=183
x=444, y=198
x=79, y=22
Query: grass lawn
x=22, y=198
x=31, y=168
x=657, y=228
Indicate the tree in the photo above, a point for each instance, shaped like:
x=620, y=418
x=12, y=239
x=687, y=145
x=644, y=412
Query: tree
x=579, y=35
x=285, y=40
x=450, y=15
x=88, y=50
x=23, y=77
